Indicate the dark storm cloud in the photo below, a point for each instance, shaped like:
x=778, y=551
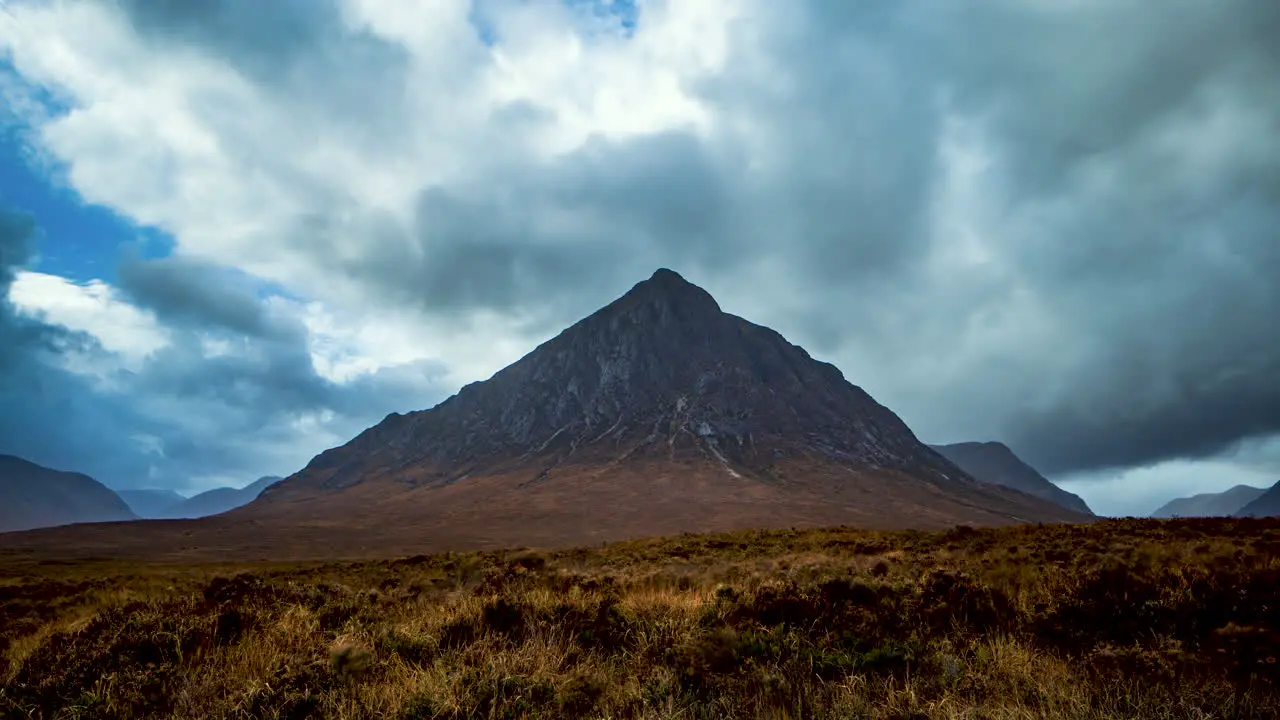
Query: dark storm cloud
x=260, y=37
x=1156, y=233
x=299, y=50
x=835, y=202
x=270, y=375
x=1121, y=309
x=854, y=133
x=1068, y=84
x=544, y=238
x=187, y=291
x=230, y=415
x=1134, y=201
x=15, y=251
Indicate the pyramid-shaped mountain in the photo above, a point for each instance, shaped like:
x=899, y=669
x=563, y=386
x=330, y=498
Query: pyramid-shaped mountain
x=659, y=413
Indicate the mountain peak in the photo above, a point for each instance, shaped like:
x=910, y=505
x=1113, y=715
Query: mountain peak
x=661, y=372
x=657, y=412
x=667, y=290
x=667, y=275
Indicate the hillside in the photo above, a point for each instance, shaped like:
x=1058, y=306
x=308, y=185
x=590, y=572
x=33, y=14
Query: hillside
x=1265, y=505
x=994, y=462
x=218, y=500
x=1222, y=504
x=32, y=496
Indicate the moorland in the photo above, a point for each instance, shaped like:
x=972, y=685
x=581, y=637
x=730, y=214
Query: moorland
x=1114, y=619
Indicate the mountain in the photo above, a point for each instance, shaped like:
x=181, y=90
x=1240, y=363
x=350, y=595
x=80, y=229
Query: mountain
x=994, y=462
x=1222, y=504
x=149, y=502
x=153, y=503
x=32, y=496
x=218, y=500
x=659, y=413
x=1265, y=505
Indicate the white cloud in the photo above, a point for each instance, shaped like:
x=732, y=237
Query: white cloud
x=345, y=347
x=94, y=308
x=235, y=174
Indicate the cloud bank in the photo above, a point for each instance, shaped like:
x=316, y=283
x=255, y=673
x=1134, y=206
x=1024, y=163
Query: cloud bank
x=1049, y=223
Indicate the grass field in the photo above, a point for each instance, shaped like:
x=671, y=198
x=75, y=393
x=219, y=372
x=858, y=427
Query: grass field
x=1119, y=619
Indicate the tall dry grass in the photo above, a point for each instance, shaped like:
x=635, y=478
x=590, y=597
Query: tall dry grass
x=1122, y=619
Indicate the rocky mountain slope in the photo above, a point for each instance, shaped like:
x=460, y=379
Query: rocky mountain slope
x=1265, y=505
x=33, y=496
x=659, y=413
x=994, y=462
x=1222, y=504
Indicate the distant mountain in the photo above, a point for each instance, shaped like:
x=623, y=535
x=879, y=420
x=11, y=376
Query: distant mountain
x=994, y=462
x=218, y=500
x=1265, y=505
x=1220, y=504
x=150, y=502
x=32, y=496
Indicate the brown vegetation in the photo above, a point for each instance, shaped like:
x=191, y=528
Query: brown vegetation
x=575, y=505
x=1124, y=619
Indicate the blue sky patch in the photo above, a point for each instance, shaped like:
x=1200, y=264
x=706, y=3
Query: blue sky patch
x=76, y=240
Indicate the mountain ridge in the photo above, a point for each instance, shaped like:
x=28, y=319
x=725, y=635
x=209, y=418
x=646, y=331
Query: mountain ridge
x=996, y=462
x=156, y=504
x=1224, y=504
x=1265, y=505
x=220, y=500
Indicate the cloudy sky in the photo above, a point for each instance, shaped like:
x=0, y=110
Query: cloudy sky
x=233, y=234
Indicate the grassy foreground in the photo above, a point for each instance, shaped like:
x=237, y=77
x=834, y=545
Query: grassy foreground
x=1121, y=619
